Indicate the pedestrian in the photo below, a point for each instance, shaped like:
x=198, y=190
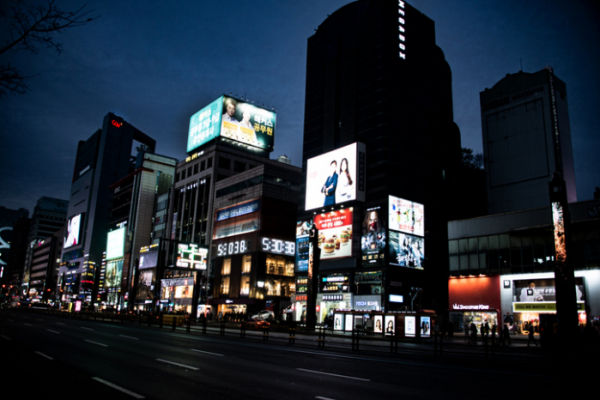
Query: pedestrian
x=505, y=335
x=473, y=333
x=450, y=330
x=530, y=336
x=494, y=328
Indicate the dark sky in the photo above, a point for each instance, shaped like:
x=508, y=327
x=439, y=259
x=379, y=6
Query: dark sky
x=156, y=63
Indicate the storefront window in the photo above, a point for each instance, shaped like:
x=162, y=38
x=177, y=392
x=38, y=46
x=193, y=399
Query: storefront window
x=279, y=266
x=278, y=287
x=246, y=264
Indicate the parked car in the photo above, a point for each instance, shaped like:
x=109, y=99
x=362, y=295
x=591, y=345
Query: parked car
x=256, y=323
x=264, y=315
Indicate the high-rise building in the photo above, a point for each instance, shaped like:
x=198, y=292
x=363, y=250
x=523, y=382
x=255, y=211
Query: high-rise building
x=9, y=267
x=526, y=140
x=103, y=159
x=376, y=76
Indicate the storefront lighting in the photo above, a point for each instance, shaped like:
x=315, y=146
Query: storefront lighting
x=260, y=284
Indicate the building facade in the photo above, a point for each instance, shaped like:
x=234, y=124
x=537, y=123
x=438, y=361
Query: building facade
x=526, y=140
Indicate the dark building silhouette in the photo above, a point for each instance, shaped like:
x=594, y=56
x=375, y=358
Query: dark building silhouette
x=10, y=270
x=375, y=75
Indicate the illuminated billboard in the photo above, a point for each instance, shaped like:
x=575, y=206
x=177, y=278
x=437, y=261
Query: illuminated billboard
x=114, y=271
x=336, y=177
x=73, y=230
x=233, y=119
x=406, y=216
x=335, y=233
x=148, y=259
x=115, y=245
x=373, y=237
x=406, y=250
x=191, y=256
x=558, y=220
x=302, y=237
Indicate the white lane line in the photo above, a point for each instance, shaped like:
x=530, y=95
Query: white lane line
x=10, y=320
x=339, y=376
x=208, y=352
x=129, y=337
x=323, y=398
x=87, y=329
x=50, y=330
x=60, y=323
x=112, y=385
x=43, y=355
x=5, y=337
x=179, y=365
x=96, y=343
x=25, y=323
x=39, y=319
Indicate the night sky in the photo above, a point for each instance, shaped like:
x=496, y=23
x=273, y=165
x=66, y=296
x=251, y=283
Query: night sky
x=157, y=63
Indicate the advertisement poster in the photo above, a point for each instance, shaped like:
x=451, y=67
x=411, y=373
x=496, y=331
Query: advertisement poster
x=245, y=224
x=406, y=250
x=247, y=207
x=73, y=229
x=234, y=119
x=373, y=237
x=378, y=324
x=335, y=177
x=538, y=290
x=349, y=324
x=335, y=234
x=425, y=326
x=390, y=327
x=148, y=259
x=191, y=256
x=406, y=216
x=302, y=238
x=560, y=246
x=115, y=245
x=145, y=284
x=409, y=326
x=338, y=322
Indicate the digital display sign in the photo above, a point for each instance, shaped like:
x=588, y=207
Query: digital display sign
x=277, y=246
x=115, y=246
x=425, y=326
x=234, y=119
x=247, y=207
x=558, y=220
x=406, y=250
x=378, y=324
x=148, y=259
x=302, y=237
x=410, y=328
x=114, y=271
x=373, y=237
x=191, y=256
x=336, y=177
x=406, y=216
x=73, y=230
x=390, y=327
x=335, y=233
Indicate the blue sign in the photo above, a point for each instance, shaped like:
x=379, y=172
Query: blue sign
x=238, y=210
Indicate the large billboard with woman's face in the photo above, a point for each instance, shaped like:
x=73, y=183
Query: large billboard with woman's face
x=73, y=230
x=336, y=177
x=233, y=119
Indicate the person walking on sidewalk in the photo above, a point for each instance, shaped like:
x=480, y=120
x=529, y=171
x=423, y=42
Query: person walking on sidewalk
x=531, y=338
x=505, y=335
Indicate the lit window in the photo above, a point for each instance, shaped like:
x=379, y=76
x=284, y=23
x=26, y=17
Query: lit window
x=225, y=285
x=246, y=264
x=401, y=28
x=400, y=11
x=226, y=268
x=400, y=3
x=402, y=46
x=401, y=20
x=245, y=286
x=402, y=38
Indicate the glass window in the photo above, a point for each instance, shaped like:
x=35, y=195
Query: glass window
x=453, y=263
x=503, y=242
x=183, y=174
x=462, y=247
x=483, y=244
x=202, y=165
x=515, y=242
x=239, y=166
x=245, y=285
x=472, y=245
x=493, y=242
x=482, y=260
x=464, y=262
x=209, y=163
x=226, y=268
x=190, y=171
x=224, y=163
x=246, y=264
x=196, y=168
x=473, y=261
x=225, y=285
x=453, y=247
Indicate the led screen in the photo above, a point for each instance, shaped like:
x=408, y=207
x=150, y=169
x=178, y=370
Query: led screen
x=336, y=177
x=115, y=245
x=348, y=324
x=409, y=326
x=373, y=237
x=425, y=326
x=559, y=232
x=114, y=271
x=145, y=285
x=191, y=256
x=338, y=322
x=406, y=216
x=73, y=230
x=335, y=234
x=406, y=250
x=233, y=119
x=148, y=259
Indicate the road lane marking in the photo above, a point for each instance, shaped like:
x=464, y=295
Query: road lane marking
x=39, y=319
x=339, y=376
x=10, y=320
x=208, y=352
x=25, y=323
x=87, y=329
x=50, y=330
x=323, y=398
x=96, y=343
x=43, y=355
x=5, y=337
x=179, y=365
x=129, y=337
x=60, y=323
x=112, y=385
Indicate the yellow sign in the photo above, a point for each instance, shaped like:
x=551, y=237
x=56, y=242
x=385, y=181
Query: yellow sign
x=541, y=307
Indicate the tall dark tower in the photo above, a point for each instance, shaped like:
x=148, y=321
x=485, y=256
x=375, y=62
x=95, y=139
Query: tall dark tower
x=375, y=75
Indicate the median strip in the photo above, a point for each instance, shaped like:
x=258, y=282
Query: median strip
x=339, y=376
x=177, y=364
x=112, y=385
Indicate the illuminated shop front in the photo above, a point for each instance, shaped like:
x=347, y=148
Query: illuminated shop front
x=474, y=300
x=176, y=294
x=328, y=303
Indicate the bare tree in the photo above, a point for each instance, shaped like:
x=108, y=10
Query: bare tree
x=29, y=27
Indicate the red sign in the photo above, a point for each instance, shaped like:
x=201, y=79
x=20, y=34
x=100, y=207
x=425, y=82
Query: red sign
x=333, y=219
x=116, y=123
x=474, y=294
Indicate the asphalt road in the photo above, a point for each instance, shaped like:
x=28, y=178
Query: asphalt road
x=53, y=356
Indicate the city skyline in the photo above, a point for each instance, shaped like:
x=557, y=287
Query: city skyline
x=156, y=65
